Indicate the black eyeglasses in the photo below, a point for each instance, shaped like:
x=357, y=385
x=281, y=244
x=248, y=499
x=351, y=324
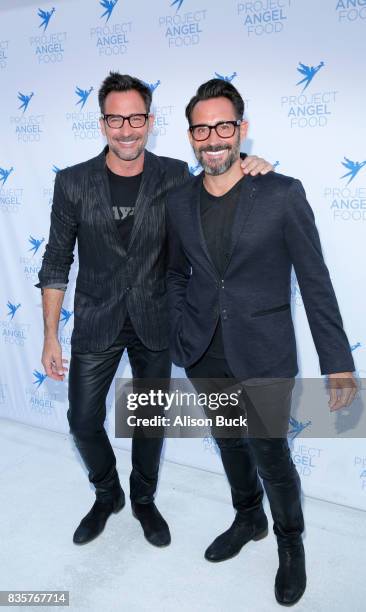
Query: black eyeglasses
x=117, y=121
x=224, y=129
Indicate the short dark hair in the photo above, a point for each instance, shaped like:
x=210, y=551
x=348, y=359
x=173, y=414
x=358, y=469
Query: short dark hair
x=123, y=82
x=216, y=88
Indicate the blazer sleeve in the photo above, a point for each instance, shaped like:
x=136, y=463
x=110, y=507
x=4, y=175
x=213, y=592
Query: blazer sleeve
x=59, y=252
x=178, y=272
x=303, y=244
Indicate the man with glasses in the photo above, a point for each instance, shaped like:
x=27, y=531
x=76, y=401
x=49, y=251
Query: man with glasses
x=114, y=205
x=233, y=241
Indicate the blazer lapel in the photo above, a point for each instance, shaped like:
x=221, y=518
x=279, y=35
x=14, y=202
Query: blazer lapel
x=151, y=179
x=245, y=204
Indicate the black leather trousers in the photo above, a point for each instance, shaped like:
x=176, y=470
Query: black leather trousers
x=90, y=377
x=254, y=453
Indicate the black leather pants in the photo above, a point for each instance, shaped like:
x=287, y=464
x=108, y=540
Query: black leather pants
x=247, y=456
x=90, y=377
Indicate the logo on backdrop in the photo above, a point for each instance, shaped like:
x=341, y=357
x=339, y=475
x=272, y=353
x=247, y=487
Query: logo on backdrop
x=308, y=72
x=31, y=261
x=55, y=169
x=24, y=99
x=310, y=109
x=152, y=86
x=4, y=48
x=275, y=164
x=194, y=170
x=295, y=291
x=306, y=458
x=65, y=334
x=48, y=48
x=110, y=39
x=360, y=464
x=353, y=347
x=350, y=10
x=296, y=427
x=109, y=6
x=347, y=202
x=263, y=17
x=10, y=198
x=36, y=243
x=228, y=79
x=4, y=174
x=353, y=168
x=38, y=397
x=12, y=331
x=84, y=124
x=83, y=95
x=182, y=29
x=28, y=128
x=45, y=17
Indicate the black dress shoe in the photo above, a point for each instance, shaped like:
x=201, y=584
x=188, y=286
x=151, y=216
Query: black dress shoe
x=230, y=543
x=94, y=522
x=156, y=529
x=290, y=581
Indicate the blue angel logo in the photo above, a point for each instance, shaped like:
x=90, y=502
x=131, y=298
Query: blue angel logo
x=24, y=100
x=194, y=169
x=65, y=316
x=178, y=3
x=35, y=244
x=296, y=427
x=55, y=169
x=228, y=79
x=309, y=73
x=4, y=174
x=355, y=346
x=12, y=309
x=45, y=16
x=39, y=378
x=83, y=95
x=109, y=6
x=276, y=163
x=353, y=167
x=152, y=86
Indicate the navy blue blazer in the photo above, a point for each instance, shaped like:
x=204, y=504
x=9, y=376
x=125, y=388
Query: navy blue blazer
x=273, y=230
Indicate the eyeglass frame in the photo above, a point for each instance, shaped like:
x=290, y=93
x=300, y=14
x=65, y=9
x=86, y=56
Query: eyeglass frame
x=236, y=123
x=124, y=117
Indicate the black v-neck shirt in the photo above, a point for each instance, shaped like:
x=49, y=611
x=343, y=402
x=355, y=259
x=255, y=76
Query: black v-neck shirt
x=217, y=219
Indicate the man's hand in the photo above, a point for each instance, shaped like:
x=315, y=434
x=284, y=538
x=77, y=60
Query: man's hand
x=342, y=390
x=52, y=359
x=255, y=165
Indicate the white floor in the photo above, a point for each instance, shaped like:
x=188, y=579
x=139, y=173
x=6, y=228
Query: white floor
x=44, y=493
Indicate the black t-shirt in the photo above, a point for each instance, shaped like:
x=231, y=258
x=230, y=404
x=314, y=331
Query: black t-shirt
x=124, y=190
x=217, y=218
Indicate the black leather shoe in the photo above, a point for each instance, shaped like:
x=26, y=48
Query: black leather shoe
x=230, y=543
x=290, y=581
x=156, y=529
x=94, y=522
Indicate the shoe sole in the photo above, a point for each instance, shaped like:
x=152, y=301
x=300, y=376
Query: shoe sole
x=147, y=539
x=256, y=538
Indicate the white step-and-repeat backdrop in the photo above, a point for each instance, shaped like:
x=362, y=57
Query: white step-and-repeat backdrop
x=300, y=67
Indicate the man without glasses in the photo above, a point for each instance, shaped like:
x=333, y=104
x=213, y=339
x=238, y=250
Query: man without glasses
x=233, y=241
x=114, y=205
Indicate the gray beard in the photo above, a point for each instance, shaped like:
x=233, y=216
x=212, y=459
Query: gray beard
x=216, y=169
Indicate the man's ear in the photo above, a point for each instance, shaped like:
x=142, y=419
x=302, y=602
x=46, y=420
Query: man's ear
x=190, y=137
x=243, y=130
x=151, y=122
x=102, y=126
